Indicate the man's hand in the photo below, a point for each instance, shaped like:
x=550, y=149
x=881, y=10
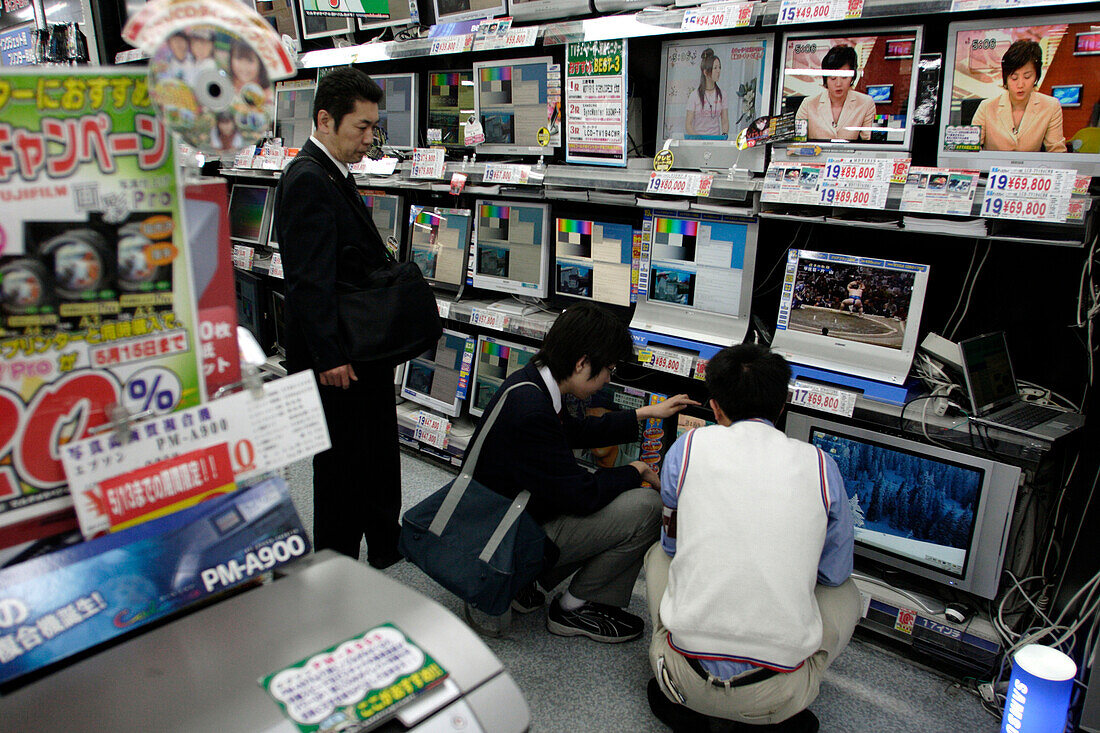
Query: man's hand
x=341, y=376
x=665, y=409
x=647, y=474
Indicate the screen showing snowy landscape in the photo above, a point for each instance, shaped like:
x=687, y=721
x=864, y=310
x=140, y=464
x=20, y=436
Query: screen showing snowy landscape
x=910, y=506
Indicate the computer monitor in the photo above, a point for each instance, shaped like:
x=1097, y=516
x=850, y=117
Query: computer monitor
x=593, y=260
x=613, y=397
x=278, y=322
x=439, y=377
x=397, y=112
x=940, y=514
x=450, y=11
x=439, y=244
x=450, y=105
x=511, y=98
x=857, y=315
x=386, y=210
x=402, y=12
x=322, y=26
x=496, y=359
x=294, y=111
x=250, y=213
x=547, y=9
x=250, y=303
x=703, y=123
x=511, y=250
x=1061, y=125
x=696, y=276
x=816, y=71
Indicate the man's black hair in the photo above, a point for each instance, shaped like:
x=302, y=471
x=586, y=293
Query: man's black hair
x=1020, y=54
x=748, y=381
x=583, y=330
x=339, y=90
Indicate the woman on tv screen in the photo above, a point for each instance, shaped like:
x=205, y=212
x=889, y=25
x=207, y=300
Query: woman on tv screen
x=707, y=111
x=1021, y=118
x=839, y=112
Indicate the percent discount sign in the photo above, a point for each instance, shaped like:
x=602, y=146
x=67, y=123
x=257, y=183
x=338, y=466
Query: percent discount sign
x=818, y=11
x=1037, y=194
x=680, y=184
x=856, y=182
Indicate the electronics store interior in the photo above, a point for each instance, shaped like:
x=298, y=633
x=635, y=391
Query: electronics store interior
x=676, y=166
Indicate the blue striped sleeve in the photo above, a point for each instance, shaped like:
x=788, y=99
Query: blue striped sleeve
x=836, y=556
x=670, y=484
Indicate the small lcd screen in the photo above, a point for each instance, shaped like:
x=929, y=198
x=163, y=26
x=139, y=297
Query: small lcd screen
x=294, y=115
x=496, y=361
x=396, y=113
x=438, y=243
x=450, y=105
x=247, y=207
x=593, y=260
x=513, y=102
x=697, y=263
x=511, y=242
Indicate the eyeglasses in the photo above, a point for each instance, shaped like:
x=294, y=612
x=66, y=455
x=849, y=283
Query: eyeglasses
x=612, y=369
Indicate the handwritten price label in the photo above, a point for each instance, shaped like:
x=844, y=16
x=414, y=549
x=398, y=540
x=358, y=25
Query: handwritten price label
x=488, y=318
x=725, y=15
x=243, y=257
x=824, y=399
x=680, y=184
x=428, y=163
x=1039, y=194
x=501, y=173
x=818, y=11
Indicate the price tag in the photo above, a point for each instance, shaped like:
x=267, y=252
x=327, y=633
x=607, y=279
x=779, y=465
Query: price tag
x=966, y=6
x=503, y=173
x=444, y=307
x=271, y=159
x=244, y=158
x=428, y=163
x=514, y=38
x=243, y=257
x=276, y=268
x=381, y=167
x=856, y=182
x=939, y=191
x=719, y=15
x=680, y=184
x=824, y=399
x=818, y=11
x=793, y=183
x=452, y=44
x=669, y=361
x=1037, y=194
x=488, y=318
x=458, y=182
x=900, y=170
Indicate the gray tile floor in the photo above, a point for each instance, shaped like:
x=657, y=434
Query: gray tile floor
x=577, y=685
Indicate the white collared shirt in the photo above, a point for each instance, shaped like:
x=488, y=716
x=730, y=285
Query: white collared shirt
x=343, y=167
x=555, y=391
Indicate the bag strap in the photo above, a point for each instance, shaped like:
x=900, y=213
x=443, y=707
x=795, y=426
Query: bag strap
x=460, y=484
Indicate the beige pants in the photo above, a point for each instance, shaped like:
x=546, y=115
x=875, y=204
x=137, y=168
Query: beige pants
x=772, y=700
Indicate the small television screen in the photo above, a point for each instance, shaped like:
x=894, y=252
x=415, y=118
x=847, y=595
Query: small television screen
x=450, y=106
x=397, y=112
x=1087, y=43
x=698, y=263
x=440, y=376
x=353, y=8
x=881, y=93
x=278, y=321
x=593, y=260
x=402, y=12
x=1021, y=92
x=496, y=360
x=439, y=244
x=385, y=209
x=512, y=253
x=711, y=89
x=513, y=102
x=857, y=311
x=826, y=81
x=249, y=213
x=250, y=305
x=450, y=11
x=322, y=26
x=294, y=112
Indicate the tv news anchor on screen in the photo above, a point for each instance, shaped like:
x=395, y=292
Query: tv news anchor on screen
x=1021, y=118
x=839, y=112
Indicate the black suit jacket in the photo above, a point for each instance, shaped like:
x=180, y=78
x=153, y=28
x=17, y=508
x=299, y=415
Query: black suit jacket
x=322, y=226
x=531, y=447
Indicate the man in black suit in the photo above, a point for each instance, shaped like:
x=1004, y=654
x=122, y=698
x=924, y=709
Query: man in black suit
x=602, y=522
x=318, y=213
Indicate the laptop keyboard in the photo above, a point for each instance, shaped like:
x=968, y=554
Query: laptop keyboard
x=1027, y=416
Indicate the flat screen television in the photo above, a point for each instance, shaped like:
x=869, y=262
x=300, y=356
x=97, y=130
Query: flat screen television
x=402, y=12
x=495, y=360
x=816, y=73
x=439, y=244
x=711, y=89
x=512, y=101
x=322, y=26
x=385, y=209
x=450, y=105
x=450, y=11
x=278, y=322
x=397, y=113
x=250, y=303
x=250, y=213
x=440, y=376
x=512, y=247
x=696, y=274
x=593, y=260
x=1060, y=126
x=937, y=513
x=857, y=315
x=294, y=111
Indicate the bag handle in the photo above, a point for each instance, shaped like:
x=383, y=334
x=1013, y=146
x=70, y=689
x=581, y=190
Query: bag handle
x=460, y=484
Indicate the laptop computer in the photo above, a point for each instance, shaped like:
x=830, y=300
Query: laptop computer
x=995, y=396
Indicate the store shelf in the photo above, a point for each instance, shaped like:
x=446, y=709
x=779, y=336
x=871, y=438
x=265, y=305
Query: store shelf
x=899, y=9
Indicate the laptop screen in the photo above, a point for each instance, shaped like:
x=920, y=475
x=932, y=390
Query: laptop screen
x=988, y=371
